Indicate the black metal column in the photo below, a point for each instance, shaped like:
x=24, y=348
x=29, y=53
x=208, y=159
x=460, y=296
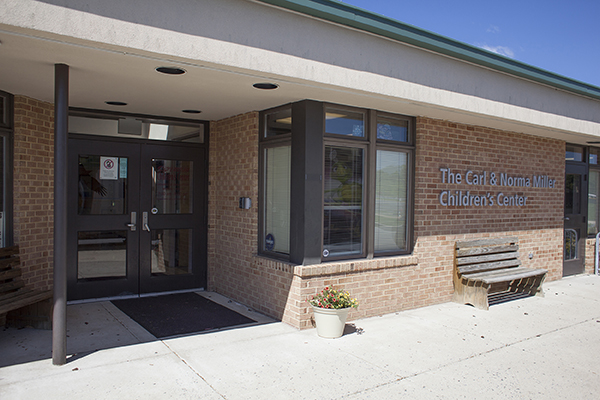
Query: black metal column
x=61, y=112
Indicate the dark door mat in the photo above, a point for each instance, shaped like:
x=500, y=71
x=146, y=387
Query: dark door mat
x=179, y=314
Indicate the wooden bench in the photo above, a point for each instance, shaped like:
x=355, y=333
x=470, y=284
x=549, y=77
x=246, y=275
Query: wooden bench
x=489, y=271
x=31, y=307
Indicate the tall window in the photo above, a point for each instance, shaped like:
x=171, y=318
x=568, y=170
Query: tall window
x=276, y=182
x=6, y=167
x=277, y=199
x=594, y=192
x=343, y=198
x=391, y=205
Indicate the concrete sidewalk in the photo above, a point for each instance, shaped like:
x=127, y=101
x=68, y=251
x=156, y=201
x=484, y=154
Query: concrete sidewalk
x=534, y=348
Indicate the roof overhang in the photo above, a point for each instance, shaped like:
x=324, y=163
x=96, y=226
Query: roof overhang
x=228, y=45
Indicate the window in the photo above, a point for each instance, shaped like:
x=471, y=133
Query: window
x=344, y=122
x=277, y=199
x=343, y=201
x=369, y=157
x=391, y=201
x=132, y=126
x=335, y=183
x=6, y=168
x=275, y=182
x=593, y=192
x=574, y=153
x=278, y=123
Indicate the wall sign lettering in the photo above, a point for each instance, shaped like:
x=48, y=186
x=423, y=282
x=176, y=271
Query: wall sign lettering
x=462, y=198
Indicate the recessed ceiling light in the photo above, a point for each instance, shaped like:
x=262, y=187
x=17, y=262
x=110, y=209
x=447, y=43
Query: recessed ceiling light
x=191, y=111
x=115, y=103
x=265, y=86
x=171, y=70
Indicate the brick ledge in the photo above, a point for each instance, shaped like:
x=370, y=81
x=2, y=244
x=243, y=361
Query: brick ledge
x=336, y=267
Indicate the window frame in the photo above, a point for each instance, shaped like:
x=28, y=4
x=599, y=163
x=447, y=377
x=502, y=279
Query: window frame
x=350, y=144
x=596, y=168
x=7, y=136
x=308, y=140
x=373, y=144
x=266, y=142
x=410, y=191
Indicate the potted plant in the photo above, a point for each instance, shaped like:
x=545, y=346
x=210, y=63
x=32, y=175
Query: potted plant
x=330, y=308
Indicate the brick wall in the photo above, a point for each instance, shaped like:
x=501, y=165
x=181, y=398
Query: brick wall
x=386, y=285
x=590, y=256
x=233, y=173
x=460, y=148
x=34, y=189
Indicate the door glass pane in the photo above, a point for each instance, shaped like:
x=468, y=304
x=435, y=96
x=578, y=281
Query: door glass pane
x=171, y=251
x=343, y=201
x=344, y=122
x=172, y=186
x=101, y=254
x=572, y=194
x=390, y=201
x=571, y=236
x=102, y=187
x=593, y=193
x=277, y=199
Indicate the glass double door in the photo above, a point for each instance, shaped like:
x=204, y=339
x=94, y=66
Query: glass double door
x=137, y=218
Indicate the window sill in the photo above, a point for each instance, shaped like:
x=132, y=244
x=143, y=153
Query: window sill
x=344, y=267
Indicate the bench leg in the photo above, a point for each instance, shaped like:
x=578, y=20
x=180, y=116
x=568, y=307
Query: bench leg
x=531, y=286
x=37, y=315
x=536, y=288
x=472, y=292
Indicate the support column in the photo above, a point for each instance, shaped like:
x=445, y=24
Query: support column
x=307, y=183
x=61, y=113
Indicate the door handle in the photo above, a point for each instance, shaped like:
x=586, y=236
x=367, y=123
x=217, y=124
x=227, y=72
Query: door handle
x=132, y=224
x=567, y=219
x=145, y=221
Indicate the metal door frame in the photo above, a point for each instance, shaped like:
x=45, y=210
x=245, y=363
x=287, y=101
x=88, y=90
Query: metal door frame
x=575, y=222
x=135, y=284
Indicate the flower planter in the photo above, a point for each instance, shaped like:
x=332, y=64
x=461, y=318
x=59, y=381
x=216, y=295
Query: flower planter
x=330, y=322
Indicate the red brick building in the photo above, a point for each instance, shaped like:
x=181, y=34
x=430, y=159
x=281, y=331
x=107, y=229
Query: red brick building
x=361, y=171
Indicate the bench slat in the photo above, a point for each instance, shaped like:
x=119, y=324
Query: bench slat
x=487, y=258
x=10, y=274
x=505, y=275
x=486, y=242
x=25, y=298
x=475, y=251
x=521, y=275
x=8, y=286
x=10, y=263
x=9, y=251
x=477, y=268
x=7, y=297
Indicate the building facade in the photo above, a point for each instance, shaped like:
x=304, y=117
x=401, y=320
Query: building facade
x=211, y=149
